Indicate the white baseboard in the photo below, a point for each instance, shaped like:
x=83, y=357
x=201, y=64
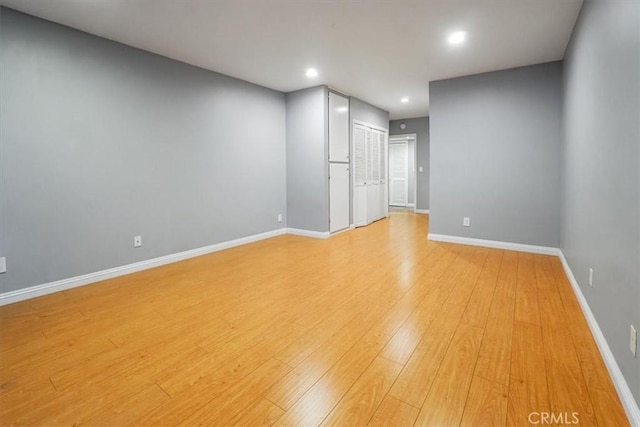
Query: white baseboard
x=85, y=279
x=411, y=205
x=421, y=211
x=308, y=233
x=520, y=247
x=624, y=392
x=341, y=231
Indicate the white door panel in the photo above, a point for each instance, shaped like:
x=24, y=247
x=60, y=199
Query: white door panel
x=398, y=174
x=373, y=203
x=370, y=198
x=338, y=128
x=359, y=175
x=360, y=206
x=338, y=196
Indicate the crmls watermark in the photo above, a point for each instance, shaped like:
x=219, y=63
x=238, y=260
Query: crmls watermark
x=554, y=418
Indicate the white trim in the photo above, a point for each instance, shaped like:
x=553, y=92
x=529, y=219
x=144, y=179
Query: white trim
x=308, y=233
x=341, y=231
x=520, y=247
x=421, y=211
x=624, y=392
x=403, y=136
x=85, y=279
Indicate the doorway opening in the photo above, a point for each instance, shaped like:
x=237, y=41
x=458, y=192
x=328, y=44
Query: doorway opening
x=402, y=172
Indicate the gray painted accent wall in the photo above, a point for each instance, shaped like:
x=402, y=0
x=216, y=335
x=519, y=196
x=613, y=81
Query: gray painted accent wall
x=100, y=142
x=419, y=126
x=495, y=155
x=601, y=203
x=308, y=159
x=367, y=113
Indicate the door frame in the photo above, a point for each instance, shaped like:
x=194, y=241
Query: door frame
x=407, y=137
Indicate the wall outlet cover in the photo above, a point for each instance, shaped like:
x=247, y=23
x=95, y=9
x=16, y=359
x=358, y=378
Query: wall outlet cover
x=466, y=221
x=137, y=241
x=3, y=265
x=633, y=343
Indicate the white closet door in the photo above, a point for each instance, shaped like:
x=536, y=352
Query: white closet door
x=384, y=188
x=360, y=175
x=370, y=198
x=338, y=128
x=373, y=203
x=338, y=196
x=398, y=174
x=373, y=185
x=374, y=160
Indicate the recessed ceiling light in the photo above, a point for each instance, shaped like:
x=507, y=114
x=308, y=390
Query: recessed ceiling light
x=457, y=38
x=312, y=72
x=404, y=100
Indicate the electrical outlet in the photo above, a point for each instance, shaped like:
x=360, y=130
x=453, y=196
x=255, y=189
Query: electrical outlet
x=279, y=217
x=633, y=340
x=137, y=241
x=3, y=265
x=591, y=277
x=466, y=221
x=420, y=169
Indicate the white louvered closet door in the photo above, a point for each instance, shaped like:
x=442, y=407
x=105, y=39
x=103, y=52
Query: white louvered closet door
x=360, y=175
x=384, y=167
x=373, y=184
x=370, y=193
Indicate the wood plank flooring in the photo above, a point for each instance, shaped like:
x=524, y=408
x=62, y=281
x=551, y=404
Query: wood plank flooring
x=376, y=326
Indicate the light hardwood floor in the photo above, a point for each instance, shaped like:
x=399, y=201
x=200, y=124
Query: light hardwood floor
x=376, y=326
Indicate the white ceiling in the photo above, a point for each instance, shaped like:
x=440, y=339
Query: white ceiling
x=376, y=50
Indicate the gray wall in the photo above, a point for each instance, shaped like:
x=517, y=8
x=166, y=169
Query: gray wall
x=495, y=155
x=100, y=142
x=308, y=159
x=367, y=113
x=601, y=213
x=419, y=126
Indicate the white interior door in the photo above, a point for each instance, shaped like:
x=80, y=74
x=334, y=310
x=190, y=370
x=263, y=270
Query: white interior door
x=338, y=196
x=398, y=173
x=338, y=128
